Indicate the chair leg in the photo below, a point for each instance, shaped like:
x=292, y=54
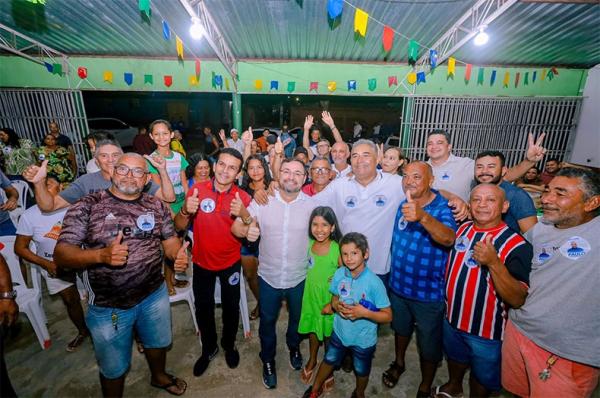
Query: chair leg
x=244, y=306
x=38, y=325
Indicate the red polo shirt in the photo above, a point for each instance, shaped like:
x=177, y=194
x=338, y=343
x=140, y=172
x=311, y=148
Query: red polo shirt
x=215, y=247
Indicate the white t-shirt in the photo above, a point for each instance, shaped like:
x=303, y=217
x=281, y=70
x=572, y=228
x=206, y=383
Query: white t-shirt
x=91, y=166
x=237, y=145
x=456, y=175
x=342, y=173
x=370, y=210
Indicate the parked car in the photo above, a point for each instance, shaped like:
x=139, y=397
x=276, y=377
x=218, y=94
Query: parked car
x=123, y=132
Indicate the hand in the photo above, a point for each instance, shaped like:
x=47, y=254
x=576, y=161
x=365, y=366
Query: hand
x=157, y=161
x=327, y=119
x=182, y=260
x=327, y=310
x=411, y=211
x=278, y=146
x=51, y=268
x=460, y=208
x=253, y=231
x=35, y=174
x=192, y=202
x=535, y=151
x=236, y=206
x=116, y=253
x=9, y=312
x=261, y=197
x=222, y=135
x=308, y=122
x=351, y=312
x=247, y=136
x=379, y=153
x=9, y=205
x=484, y=252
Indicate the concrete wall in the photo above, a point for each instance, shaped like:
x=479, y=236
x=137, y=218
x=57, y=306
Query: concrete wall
x=586, y=150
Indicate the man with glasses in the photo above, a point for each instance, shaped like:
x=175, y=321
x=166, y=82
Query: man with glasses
x=118, y=237
x=283, y=261
x=320, y=175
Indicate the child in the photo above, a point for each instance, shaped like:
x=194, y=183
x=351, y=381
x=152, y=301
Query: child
x=176, y=143
x=316, y=318
x=360, y=302
x=392, y=161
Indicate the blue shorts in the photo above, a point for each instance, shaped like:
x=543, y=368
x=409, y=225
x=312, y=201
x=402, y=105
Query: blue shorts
x=113, y=338
x=362, y=357
x=483, y=355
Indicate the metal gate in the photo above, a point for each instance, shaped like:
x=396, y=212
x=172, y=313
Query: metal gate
x=29, y=112
x=490, y=123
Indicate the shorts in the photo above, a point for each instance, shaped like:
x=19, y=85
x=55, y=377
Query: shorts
x=483, y=355
x=55, y=285
x=113, y=339
x=428, y=318
x=362, y=357
x=523, y=360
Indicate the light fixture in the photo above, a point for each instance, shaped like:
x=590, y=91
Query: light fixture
x=481, y=38
x=196, y=30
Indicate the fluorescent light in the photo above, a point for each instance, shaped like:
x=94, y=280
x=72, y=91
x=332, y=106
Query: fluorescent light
x=196, y=30
x=481, y=38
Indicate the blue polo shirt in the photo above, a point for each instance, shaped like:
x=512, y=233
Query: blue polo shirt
x=368, y=286
x=418, y=263
x=521, y=205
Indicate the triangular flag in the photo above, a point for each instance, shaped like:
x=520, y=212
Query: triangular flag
x=179, y=46
x=166, y=30
x=108, y=76
x=57, y=69
x=258, y=84
x=433, y=58
x=468, y=68
x=197, y=67
x=168, y=80
x=361, y=19
x=517, y=78
x=128, y=77
x=331, y=86
x=82, y=72
x=274, y=85
x=212, y=80
x=421, y=78
x=451, y=67
x=334, y=8
x=314, y=86
x=219, y=81
x=413, y=52
x=411, y=78
x=392, y=81
x=493, y=78
x=526, y=79
x=550, y=75
x=506, y=79
x=291, y=87
x=148, y=79
x=48, y=67
x=534, y=76
x=388, y=38
x=372, y=84
x=480, y=76
x=351, y=85
x=226, y=84
x=193, y=80
x=554, y=70
x=144, y=6
x=543, y=75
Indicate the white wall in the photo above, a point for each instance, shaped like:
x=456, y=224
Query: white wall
x=586, y=150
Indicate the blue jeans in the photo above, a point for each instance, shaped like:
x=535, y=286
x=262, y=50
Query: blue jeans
x=7, y=228
x=112, y=330
x=361, y=357
x=270, y=304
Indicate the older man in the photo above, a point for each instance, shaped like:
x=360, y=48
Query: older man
x=118, y=237
x=422, y=234
x=488, y=273
x=320, y=176
x=340, y=152
x=551, y=344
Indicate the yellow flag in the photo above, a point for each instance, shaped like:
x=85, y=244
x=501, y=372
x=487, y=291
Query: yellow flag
x=451, y=66
x=411, y=78
x=108, y=76
x=543, y=74
x=193, y=80
x=506, y=79
x=226, y=84
x=258, y=84
x=331, y=86
x=361, y=19
x=179, y=46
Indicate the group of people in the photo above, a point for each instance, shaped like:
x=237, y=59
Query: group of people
x=350, y=237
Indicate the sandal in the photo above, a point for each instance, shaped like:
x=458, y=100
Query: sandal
x=329, y=384
x=391, y=376
x=436, y=393
x=255, y=313
x=140, y=347
x=180, y=283
x=307, y=375
x=76, y=342
x=179, y=384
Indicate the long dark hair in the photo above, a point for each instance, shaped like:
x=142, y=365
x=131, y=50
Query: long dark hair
x=193, y=161
x=246, y=180
x=329, y=215
x=13, y=137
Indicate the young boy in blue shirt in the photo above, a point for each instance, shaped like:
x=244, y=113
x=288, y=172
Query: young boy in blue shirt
x=360, y=302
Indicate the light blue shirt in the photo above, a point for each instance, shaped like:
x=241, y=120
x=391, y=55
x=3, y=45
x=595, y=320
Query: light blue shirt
x=368, y=286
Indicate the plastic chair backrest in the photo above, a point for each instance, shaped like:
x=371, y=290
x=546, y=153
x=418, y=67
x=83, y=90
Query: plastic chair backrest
x=23, y=189
x=7, y=249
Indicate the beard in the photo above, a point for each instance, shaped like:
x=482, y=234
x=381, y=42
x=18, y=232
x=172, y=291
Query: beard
x=495, y=179
x=128, y=189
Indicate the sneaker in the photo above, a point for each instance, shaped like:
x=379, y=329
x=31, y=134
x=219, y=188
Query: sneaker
x=232, y=358
x=269, y=375
x=310, y=394
x=202, y=363
x=295, y=359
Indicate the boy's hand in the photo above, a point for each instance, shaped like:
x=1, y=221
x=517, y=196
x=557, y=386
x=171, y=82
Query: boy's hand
x=327, y=310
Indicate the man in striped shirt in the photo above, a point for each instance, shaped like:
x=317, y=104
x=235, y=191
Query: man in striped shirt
x=488, y=273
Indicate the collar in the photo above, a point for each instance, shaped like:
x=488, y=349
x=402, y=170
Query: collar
x=378, y=177
x=301, y=197
x=492, y=229
x=348, y=274
x=212, y=185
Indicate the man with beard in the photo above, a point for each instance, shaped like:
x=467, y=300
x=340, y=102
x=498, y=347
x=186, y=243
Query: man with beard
x=283, y=261
x=118, y=237
x=550, y=170
x=521, y=214
x=340, y=152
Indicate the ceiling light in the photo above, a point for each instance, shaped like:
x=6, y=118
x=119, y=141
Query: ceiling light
x=481, y=38
x=196, y=30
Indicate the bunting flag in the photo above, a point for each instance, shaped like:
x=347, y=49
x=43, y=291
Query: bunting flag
x=331, y=86
x=534, y=76
x=258, y=84
x=212, y=80
x=179, y=46
x=291, y=87
x=554, y=70
x=197, y=68
x=493, y=78
x=57, y=69
x=168, y=80
x=372, y=84
x=421, y=78
x=274, y=85
x=506, y=79
x=392, y=81
x=107, y=76
x=451, y=67
x=82, y=72
x=480, y=76
x=351, y=85
x=411, y=78
x=48, y=67
x=517, y=78
x=144, y=6
x=148, y=79
x=193, y=80
x=128, y=78
x=433, y=58
x=226, y=83
x=166, y=30
x=387, y=39
x=314, y=86
x=413, y=52
x=334, y=8
x=218, y=80
x=543, y=75
x=526, y=79
x=361, y=19
x=468, y=68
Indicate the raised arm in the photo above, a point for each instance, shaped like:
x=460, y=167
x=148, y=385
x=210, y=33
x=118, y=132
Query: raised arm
x=308, y=122
x=247, y=138
x=223, y=138
x=328, y=120
x=535, y=153
x=45, y=201
x=166, y=192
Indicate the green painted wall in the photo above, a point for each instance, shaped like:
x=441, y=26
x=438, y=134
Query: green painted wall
x=19, y=72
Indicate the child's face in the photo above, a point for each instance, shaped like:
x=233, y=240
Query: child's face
x=353, y=257
x=321, y=229
x=391, y=161
x=161, y=135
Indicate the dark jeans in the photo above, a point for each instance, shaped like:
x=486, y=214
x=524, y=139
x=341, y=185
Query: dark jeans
x=270, y=304
x=204, y=296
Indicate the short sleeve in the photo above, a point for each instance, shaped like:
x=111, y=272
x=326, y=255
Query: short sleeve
x=74, y=192
x=25, y=227
x=379, y=293
x=522, y=205
x=518, y=262
x=167, y=227
x=447, y=218
x=4, y=181
x=76, y=221
x=184, y=163
x=151, y=168
x=335, y=281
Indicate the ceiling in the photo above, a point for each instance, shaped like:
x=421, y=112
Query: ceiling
x=527, y=34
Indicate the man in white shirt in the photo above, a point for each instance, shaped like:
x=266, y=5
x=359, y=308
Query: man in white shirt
x=234, y=142
x=340, y=152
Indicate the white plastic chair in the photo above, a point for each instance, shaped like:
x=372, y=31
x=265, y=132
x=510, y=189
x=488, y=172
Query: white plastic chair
x=28, y=300
x=23, y=189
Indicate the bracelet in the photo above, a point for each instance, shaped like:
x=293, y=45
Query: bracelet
x=185, y=214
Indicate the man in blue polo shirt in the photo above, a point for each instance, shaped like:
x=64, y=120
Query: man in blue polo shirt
x=423, y=234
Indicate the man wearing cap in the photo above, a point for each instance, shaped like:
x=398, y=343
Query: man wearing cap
x=234, y=142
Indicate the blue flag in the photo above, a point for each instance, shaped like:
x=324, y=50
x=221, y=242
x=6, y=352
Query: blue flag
x=334, y=8
x=351, y=85
x=218, y=81
x=421, y=78
x=49, y=67
x=166, y=30
x=128, y=77
x=274, y=85
x=433, y=58
x=493, y=78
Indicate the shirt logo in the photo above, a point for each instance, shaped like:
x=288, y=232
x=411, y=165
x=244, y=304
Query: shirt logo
x=54, y=231
x=445, y=176
x=234, y=279
x=145, y=222
x=470, y=261
x=402, y=224
x=350, y=201
x=462, y=244
x=343, y=291
x=207, y=205
x=311, y=262
x=110, y=216
x=575, y=248
x=380, y=200
x=544, y=255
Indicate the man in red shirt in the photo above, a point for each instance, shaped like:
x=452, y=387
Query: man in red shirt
x=320, y=174
x=213, y=206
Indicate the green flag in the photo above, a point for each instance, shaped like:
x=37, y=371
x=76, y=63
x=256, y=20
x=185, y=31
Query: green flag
x=57, y=69
x=144, y=6
x=480, y=76
x=372, y=84
x=148, y=79
x=526, y=80
x=291, y=86
x=413, y=52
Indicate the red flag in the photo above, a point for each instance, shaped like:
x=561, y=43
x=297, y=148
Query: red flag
x=168, y=80
x=388, y=38
x=392, y=81
x=554, y=70
x=517, y=78
x=82, y=72
x=314, y=86
x=197, y=67
x=468, y=72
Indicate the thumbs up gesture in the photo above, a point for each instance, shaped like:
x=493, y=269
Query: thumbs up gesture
x=237, y=206
x=182, y=260
x=278, y=146
x=411, y=211
x=484, y=252
x=192, y=203
x=116, y=253
x=253, y=231
x=35, y=174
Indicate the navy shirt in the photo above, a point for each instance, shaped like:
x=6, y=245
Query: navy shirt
x=521, y=205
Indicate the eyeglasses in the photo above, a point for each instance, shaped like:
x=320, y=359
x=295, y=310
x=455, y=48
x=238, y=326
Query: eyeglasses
x=137, y=172
x=292, y=173
x=320, y=170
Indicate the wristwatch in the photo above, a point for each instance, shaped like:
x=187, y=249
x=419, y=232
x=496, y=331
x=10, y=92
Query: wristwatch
x=247, y=220
x=8, y=295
